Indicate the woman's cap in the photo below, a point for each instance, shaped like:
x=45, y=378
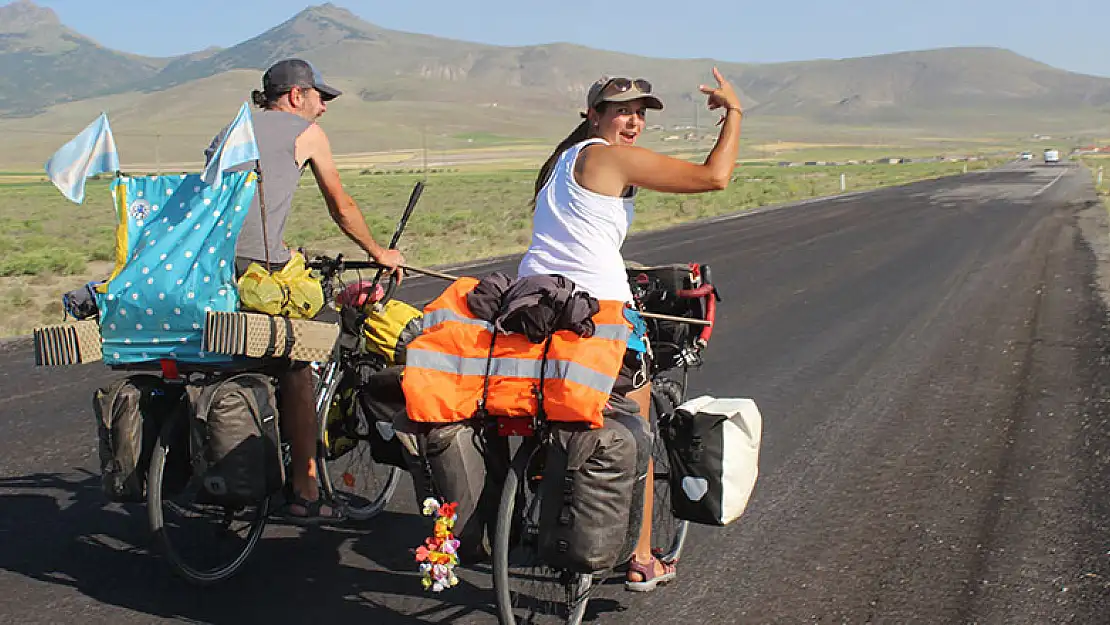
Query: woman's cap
x=608, y=89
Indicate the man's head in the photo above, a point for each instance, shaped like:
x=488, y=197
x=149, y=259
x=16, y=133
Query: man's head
x=294, y=86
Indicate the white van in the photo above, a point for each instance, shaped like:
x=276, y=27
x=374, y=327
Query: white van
x=1051, y=156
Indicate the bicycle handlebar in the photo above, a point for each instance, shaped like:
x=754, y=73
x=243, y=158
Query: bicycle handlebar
x=707, y=292
x=331, y=266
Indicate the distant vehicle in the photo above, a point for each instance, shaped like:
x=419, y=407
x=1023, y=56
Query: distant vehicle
x=1051, y=156
x=1026, y=156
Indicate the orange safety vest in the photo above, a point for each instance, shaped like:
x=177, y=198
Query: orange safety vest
x=446, y=365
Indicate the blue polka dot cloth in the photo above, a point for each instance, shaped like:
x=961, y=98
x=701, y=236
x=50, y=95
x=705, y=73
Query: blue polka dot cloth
x=178, y=237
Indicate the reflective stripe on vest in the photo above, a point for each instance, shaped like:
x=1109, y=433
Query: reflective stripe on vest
x=446, y=365
x=511, y=368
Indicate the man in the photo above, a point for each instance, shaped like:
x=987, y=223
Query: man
x=292, y=98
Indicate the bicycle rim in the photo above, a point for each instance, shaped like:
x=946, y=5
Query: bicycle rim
x=668, y=534
x=353, y=479
x=528, y=591
x=204, y=543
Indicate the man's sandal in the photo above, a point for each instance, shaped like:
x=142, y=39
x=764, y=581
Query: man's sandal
x=312, y=515
x=649, y=580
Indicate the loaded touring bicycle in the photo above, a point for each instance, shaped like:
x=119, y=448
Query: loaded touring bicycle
x=193, y=429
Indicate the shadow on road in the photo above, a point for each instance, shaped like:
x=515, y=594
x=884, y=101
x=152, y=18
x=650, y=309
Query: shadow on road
x=58, y=528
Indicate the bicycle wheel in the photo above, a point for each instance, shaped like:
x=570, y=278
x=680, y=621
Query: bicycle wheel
x=347, y=470
x=204, y=543
x=668, y=534
x=528, y=591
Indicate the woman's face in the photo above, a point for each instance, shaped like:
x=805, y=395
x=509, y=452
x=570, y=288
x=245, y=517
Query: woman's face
x=621, y=122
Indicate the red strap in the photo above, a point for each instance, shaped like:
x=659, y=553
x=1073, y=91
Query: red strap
x=169, y=369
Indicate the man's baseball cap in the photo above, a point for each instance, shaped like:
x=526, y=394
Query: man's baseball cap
x=608, y=89
x=284, y=75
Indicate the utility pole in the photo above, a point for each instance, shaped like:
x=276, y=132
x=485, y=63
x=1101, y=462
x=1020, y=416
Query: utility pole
x=424, y=144
x=697, y=110
x=157, y=153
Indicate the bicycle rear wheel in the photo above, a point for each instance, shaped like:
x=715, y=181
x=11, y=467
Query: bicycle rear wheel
x=528, y=591
x=348, y=472
x=668, y=534
x=204, y=543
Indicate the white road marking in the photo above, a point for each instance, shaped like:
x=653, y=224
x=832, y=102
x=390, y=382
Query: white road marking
x=1054, y=180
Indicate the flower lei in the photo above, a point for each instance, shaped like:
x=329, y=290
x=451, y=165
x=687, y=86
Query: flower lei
x=439, y=553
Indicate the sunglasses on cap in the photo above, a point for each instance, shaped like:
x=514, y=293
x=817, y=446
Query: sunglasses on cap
x=617, y=86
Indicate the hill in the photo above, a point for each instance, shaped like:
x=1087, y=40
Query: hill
x=404, y=87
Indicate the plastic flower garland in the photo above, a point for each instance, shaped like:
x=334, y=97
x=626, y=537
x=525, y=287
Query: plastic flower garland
x=439, y=553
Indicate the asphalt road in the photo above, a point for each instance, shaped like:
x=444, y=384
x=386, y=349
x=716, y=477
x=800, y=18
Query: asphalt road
x=930, y=363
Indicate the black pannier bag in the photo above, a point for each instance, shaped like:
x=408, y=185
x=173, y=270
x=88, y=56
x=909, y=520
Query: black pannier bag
x=713, y=447
x=364, y=407
x=382, y=401
x=235, y=440
x=129, y=416
x=592, y=497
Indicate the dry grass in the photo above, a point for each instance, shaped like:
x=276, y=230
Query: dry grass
x=49, y=246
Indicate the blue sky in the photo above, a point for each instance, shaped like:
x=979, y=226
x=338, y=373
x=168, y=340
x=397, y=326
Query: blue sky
x=1070, y=34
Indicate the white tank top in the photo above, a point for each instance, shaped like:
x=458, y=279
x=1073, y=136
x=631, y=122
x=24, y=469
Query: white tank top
x=578, y=233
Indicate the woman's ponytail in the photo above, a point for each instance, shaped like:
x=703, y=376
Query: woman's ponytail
x=579, y=134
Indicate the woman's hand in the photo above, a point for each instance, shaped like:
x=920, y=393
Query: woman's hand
x=721, y=96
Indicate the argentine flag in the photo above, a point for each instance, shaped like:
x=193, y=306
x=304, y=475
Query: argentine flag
x=236, y=146
x=89, y=153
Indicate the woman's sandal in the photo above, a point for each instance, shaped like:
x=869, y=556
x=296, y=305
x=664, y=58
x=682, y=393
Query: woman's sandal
x=312, y=514
x=649, y=580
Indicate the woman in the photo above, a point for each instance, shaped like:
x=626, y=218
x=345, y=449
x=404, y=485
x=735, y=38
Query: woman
x=583, y=207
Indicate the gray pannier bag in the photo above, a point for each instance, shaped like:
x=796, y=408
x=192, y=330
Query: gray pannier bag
x=713, y=447
x=462, y=463
x=129, y=414
x=235, y=440
x=592, y=499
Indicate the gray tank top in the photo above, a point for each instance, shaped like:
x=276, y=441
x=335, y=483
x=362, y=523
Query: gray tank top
x=276, y=133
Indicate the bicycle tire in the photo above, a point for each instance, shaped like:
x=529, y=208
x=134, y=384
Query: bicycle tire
x=514, y=540
x=358, y=506
x=668, y=534
x=170, y=438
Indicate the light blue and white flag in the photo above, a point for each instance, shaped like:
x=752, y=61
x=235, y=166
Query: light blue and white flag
x=89, y=153
x=235, y=147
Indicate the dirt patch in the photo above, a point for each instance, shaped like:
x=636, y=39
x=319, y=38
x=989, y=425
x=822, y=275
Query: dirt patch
x=1094, y=223
x=27, y=302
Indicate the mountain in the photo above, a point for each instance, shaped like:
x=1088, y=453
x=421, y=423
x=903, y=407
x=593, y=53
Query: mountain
x=400, y=85
x=42, y=62
x=905, y=86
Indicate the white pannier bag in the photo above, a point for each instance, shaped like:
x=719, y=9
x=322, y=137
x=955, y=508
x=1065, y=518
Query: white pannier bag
x=713, y=448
